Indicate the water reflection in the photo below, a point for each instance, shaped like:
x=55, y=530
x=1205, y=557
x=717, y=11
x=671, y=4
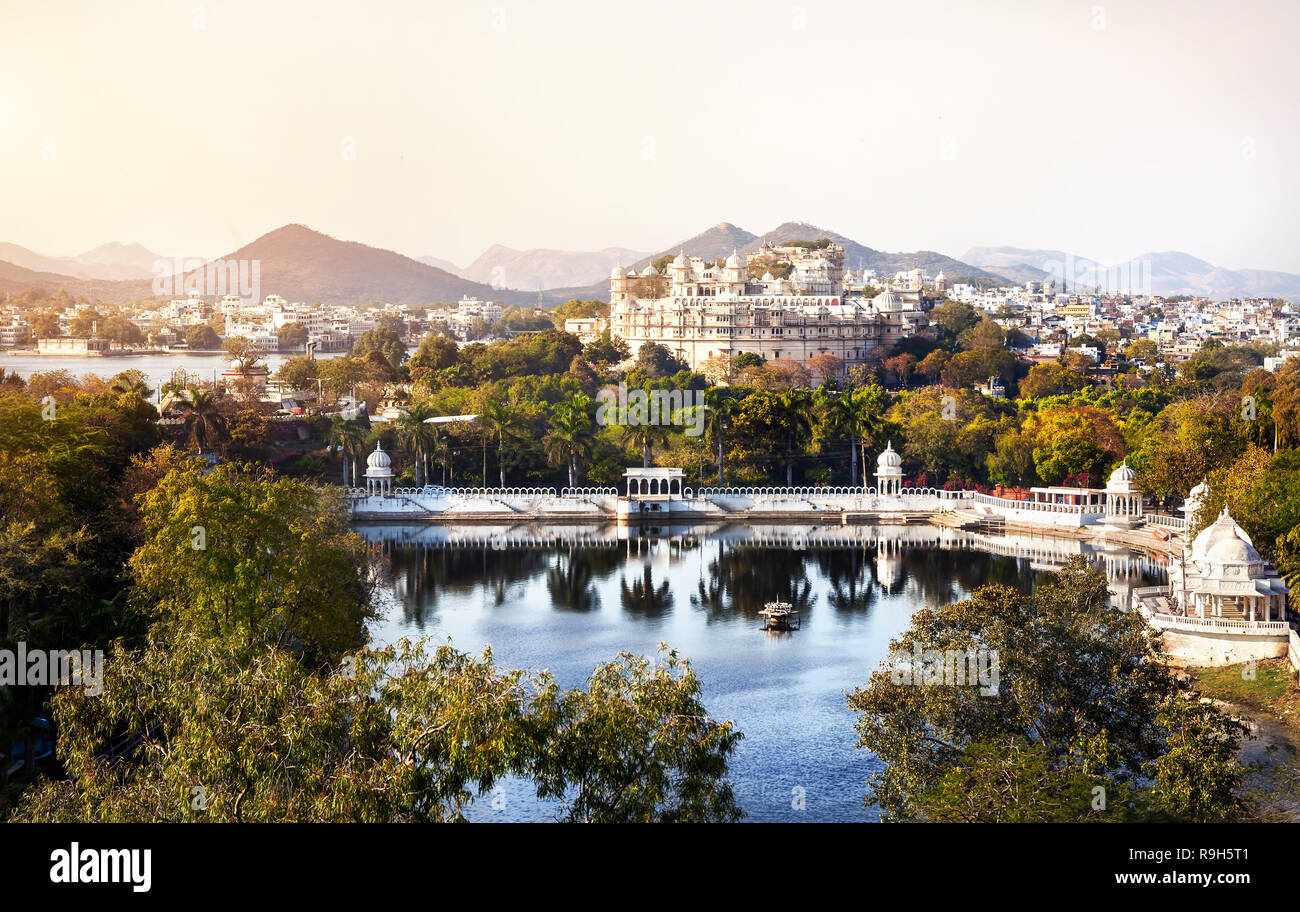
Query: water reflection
x=566, y=598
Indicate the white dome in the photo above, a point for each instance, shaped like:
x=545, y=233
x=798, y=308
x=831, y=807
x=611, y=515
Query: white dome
x=767, y=277
x=1233, y=551
x=889, y=458
x=733, y=261
x=1123, y=473
x=618, y=272
x=680, y=260
x=1222, y=530
x=887, y=302
x=649, y=270
x=378, y=462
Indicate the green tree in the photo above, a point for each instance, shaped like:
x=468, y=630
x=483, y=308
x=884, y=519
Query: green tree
x=273, y=562
x=202, y=338
x=636, y=746
x=204, y=422
x=291, y=336
x=570, y=439
x=1079, y=693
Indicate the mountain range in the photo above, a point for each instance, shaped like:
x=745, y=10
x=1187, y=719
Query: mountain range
x=1169, y=272
x=505, y=267
x=111, y=261
x=305, y=265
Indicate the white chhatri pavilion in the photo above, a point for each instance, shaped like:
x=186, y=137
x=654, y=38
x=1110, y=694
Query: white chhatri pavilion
x=1225, y=577
x=1123, y=498
x=379, y=472
x=889, y=472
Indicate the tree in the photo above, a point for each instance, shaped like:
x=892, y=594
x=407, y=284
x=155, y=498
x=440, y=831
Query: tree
x=1051, y=380
x=436, y=352
x=858, y=414
x=795, y=408
x=202, y=338
x=84, y=324
x=414, y=429
x=574, y=309
x=1079, y=696
x=274, y=562
x=606, y=349
x=569, y=441
x=383, y=339
x=121, y=330
x=401, y=734
x=955, y=317
x=826, y=367
x=133, y=382
x=204, y=422
x=348, y=436
x=45, y=325
x=291, y=335
x=658, y=362
x=244, y=352
x=250, y=436
x=298, y=372
x=501, y=421
x=635, y=746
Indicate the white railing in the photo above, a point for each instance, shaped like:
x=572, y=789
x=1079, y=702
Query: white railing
x=589, y=492
x=1035, y=505
x=1235, y=625
x=1178, y=523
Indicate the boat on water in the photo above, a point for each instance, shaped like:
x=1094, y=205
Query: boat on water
x=779, y=616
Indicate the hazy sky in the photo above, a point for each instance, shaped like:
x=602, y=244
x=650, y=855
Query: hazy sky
x=1107, y=129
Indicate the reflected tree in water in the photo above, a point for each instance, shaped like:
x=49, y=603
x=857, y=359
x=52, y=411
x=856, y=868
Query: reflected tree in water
x=846, y=571
x=570, y=582
x=644, y=599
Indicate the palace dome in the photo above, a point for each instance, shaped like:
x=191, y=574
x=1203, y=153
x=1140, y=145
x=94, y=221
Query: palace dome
x=733, y=261
x=680, y=260
x=767, y=277
x=618, y=272
x=887, y=302
x=649, y=270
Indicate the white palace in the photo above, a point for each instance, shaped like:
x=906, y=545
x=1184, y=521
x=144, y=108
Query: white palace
x=701, y=310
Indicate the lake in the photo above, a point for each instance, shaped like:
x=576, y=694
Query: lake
x=158, y=368
x=565, y=598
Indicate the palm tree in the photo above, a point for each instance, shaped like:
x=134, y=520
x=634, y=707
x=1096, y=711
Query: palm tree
x=644, y=436
x=569, y=441
x=203, y=420
x=131, y=381
x=415, y=431
x=349, y=435
x=500, y=421
x=717, y=418
x=795, y=409
x=644, y=598
x=857, y=414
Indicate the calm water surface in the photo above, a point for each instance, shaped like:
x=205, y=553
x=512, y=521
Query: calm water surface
x=158, y=368
x=567, y=598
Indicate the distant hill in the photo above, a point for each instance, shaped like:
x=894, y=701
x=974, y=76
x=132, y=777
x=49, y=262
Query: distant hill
x=300, y=264
x=717, y=241
x=1169, y=272
x=724, y=237
x=439, y=263
x=858, y=256
x=501, y=266
x=112, y=261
